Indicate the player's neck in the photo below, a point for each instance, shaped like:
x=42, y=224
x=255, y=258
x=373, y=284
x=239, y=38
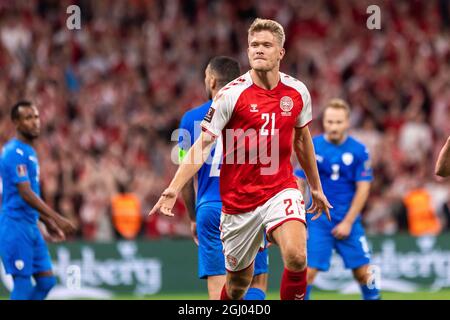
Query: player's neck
x=266, y=79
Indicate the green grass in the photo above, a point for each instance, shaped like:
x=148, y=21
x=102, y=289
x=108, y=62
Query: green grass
x=316, y=295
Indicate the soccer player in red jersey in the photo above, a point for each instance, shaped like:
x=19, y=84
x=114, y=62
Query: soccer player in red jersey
x=260, y=116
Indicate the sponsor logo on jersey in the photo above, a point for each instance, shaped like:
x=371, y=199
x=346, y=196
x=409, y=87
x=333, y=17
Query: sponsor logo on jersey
x=286, y=104
x=210, y=114
x=254, y=107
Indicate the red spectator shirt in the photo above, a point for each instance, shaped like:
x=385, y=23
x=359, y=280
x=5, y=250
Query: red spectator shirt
x=256, y=126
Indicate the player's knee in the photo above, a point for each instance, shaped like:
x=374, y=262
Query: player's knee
x=295, y=259
x=237, y=291
x=238, y=286
x=361, y=277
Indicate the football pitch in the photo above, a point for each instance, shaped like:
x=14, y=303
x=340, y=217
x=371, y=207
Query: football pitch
x=316, y=295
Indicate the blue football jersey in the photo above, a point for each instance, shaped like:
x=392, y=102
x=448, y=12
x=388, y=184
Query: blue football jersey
x=208, y=175
x=19, y=163
x=340, y=168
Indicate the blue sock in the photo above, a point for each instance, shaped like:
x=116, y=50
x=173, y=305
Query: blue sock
x=255, y=294
x=308, y=292
x=23, y=288
x=370, y=294
x=43, y=287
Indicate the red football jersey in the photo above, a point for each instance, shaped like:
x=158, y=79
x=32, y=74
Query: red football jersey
x=257, y=130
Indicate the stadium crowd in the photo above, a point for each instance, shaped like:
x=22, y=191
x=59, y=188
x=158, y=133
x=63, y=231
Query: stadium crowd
x=112, y=93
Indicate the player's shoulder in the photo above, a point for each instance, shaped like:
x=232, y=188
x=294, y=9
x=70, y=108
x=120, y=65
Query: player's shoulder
x=13, y=149
x=294, y=83
x=197, y=113
x=234, y=89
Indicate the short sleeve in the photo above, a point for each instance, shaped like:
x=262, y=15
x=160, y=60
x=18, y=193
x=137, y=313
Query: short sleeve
x=305, y=115
x=218, y=114
x=15, y=165
x=364, y=170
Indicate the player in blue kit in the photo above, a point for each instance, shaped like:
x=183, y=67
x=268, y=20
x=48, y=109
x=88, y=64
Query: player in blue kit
x=346, y=175
x=22, y=248
x=205, y=208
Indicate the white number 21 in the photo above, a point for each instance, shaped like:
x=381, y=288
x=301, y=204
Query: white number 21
x=267, y=117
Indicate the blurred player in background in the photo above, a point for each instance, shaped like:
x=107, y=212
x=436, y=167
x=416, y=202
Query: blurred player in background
x=259, y=111
x=204, y=210
x=22, y=247
x=443, y=162
x=346, y=175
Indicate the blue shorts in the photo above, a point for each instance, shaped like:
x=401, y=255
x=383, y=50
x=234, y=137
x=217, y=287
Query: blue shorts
x=22, y=247
x=354, y=250
x=211, y=261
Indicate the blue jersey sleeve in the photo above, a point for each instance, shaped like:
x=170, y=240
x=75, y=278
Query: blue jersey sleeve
x=15, y=166
x=364, y=170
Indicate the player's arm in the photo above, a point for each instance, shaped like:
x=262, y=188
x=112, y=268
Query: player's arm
x=188, y=195
x=192, y=162
x=52, y=220
x=343, y=229
x=443, y=163
x=301, y=184
x=304, y=149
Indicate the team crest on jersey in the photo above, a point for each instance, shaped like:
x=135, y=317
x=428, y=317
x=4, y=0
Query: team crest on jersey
x=347, y=158
x=21, y=170
x=254, y=107
x=286, y=104
x=210, y=114
x=232, y=261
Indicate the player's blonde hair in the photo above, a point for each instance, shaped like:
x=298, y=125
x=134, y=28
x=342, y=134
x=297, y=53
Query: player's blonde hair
x=339, y=104
x=268, y=25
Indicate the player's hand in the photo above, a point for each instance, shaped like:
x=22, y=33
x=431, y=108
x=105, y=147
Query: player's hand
x=165, y=203
x=342, y=230
x=194, y=232
x=66, y=225
x=319, y=204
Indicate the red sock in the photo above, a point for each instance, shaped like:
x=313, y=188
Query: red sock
x=293, y=285
x=224, y=295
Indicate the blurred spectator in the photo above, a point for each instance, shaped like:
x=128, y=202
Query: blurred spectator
x=126, y=213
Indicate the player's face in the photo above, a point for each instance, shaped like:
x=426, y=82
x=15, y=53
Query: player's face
x=264, y=51
x=29, y=123
x=336, y=124
x=208, y=82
